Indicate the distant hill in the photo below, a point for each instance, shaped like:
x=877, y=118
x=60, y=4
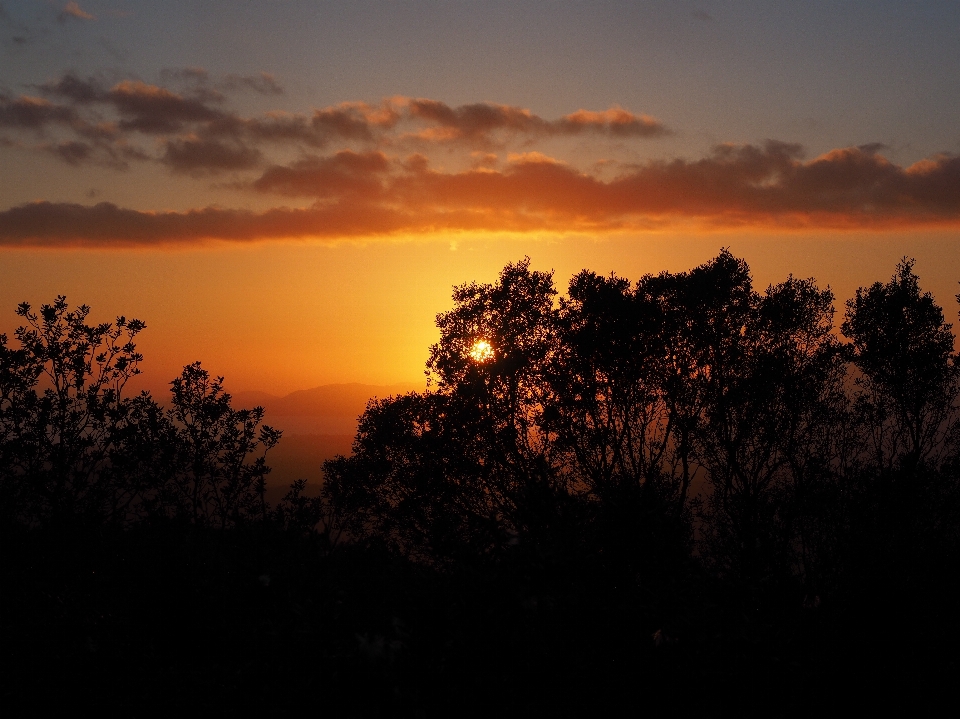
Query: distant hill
x=328, y=409
x=318, y=424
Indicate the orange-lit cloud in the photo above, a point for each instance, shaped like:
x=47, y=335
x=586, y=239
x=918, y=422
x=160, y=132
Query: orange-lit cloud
x=72, y=9
x=32, y=113
x=370, y=169
x=478, y=122
x=192, y=105
x=368, y=194
x=344, y=174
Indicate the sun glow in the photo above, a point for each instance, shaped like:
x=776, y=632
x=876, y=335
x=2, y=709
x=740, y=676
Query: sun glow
x=481, y=351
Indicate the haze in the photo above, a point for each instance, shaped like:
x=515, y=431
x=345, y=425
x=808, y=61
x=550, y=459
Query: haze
x=288, y=191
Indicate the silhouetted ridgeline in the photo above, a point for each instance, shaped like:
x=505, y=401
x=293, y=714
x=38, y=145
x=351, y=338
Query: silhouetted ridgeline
x=317, y=424
x=679, y=493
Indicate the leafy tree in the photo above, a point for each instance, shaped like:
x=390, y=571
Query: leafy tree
x=909, y=379
x=62, y=407
x=772, y=428
x=200, y=460
x=464, y=468
x=904, y=522
x=73, y=448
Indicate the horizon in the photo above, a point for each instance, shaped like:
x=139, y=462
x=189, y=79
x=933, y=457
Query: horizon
x=289, y=196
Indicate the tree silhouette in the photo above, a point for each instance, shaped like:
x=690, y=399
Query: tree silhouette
x=199, y=461
x=903, y=503
x=62, y=408
x=910, y=378
x=464, y=468
x=74, y=449
x=670, y=483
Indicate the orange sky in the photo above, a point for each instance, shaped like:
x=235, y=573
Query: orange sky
x=282, y=316
x=292, y=227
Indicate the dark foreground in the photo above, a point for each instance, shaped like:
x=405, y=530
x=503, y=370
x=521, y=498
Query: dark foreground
x=681, y=496
x=170, y=620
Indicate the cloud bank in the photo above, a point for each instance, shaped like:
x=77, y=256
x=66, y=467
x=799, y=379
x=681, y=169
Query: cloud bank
x=371, y=169
x=366, y=195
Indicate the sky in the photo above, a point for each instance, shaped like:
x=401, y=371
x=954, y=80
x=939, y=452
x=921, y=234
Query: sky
x=288, y=191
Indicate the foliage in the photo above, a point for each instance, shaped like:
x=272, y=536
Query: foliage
x=75, y=449
x=636, y=487
x=622, y=419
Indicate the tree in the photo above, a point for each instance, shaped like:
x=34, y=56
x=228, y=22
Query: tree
x=465, y=467
x=74, y=449
x=62, y=408
x=200, y=460
x=772, y=427
x=907, y=402
x=909, y=381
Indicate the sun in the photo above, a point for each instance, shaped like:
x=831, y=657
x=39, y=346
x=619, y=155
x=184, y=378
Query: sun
x=481, y=351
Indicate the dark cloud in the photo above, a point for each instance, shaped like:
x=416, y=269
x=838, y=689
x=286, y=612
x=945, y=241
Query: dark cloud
x=199, y=83
x=264, y=83
x=72, y=152
x=114, y=155
x=153, y=109
x=141, y=106
x=32, y=113
x=196, y=155
x=367, y=194
x=353, y=120
x=616, y=122
x=480, y=121
x=190, y=103
x=345, y=173
x=105, y=224
x=70, y=87
x=472, y=122
x=194, y=82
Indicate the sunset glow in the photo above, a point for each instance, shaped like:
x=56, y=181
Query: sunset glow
x=295, y=212
x=481, y=351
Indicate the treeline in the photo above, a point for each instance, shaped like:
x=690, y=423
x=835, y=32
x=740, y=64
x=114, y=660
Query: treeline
x=684, y=415
x=682, y=488
x=76, y=452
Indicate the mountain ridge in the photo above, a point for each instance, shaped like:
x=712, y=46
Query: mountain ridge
x=325, y=409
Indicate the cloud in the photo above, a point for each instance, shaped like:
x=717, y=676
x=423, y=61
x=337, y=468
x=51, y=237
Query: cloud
x=72, y=152
x=153, y=109
x=73, y=10
x=616, y=122
x=189, y=102
x=142, y=107
x=370, y=168
x=369, y=195
x=198, y=81
x=105, y=224
x=75, y=89
x=264, y=83
x=32, y=113
x=346, y=173
x=197, y=155
x=479, y=122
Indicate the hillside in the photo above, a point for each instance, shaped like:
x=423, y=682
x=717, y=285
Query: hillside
x=318, y=424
